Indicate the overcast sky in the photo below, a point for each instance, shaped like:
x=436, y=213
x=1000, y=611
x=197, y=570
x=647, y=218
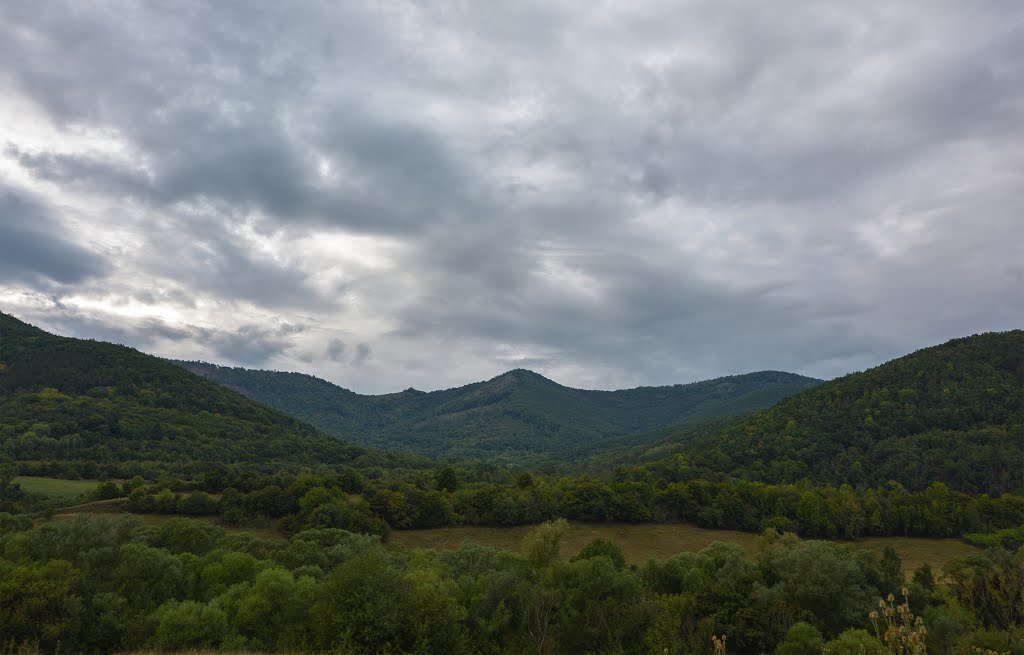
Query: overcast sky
x=427, y=194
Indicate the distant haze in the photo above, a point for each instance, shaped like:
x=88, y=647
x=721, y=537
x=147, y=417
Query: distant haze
x=399, y=194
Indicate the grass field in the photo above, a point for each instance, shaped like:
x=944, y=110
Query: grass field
x=159, y=519
x=638, y=542
x=57, y=489
x=642, y=542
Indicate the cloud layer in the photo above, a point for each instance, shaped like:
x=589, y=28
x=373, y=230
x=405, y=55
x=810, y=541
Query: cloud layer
x=396, y=194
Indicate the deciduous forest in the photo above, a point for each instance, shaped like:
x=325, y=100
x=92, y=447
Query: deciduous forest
x=165, y=550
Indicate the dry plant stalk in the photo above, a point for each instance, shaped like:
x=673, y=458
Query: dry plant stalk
x=899, y=630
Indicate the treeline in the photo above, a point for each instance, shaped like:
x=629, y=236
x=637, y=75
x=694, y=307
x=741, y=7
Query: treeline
x=104, y=586
x=350, y=501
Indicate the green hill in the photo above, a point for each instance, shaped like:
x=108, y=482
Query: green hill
x=516, y=414
x=72, y=405
x=952, y=413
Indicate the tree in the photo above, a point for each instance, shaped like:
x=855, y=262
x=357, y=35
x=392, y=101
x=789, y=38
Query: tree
x=189, y=624
x=544, y=543
x=36, y=602
x=446, y=479
x=602, y=548
x=801, y=639
x=891, y=568
x=925, y=577
x=854, y=642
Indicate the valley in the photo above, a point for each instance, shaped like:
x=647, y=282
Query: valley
x=189, y=515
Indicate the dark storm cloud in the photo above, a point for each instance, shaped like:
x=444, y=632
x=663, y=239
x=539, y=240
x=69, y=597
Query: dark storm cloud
x=627, y=194
x=34, y=249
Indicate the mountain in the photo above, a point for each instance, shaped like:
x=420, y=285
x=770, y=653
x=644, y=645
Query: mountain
x=515, y=414
x=952, y=413
x=72, y=405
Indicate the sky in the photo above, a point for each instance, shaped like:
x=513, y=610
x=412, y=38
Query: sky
x=390, y=194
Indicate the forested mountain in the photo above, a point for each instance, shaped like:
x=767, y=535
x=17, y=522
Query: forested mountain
x=88, y=407
x=515, y=414
x=952, y=413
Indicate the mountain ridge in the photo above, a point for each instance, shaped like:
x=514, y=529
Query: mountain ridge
x=69, y=404
x=519, y=412
x=950, y=413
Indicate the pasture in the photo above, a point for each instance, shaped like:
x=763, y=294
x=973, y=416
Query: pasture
x=65, y=490
x=640, y=542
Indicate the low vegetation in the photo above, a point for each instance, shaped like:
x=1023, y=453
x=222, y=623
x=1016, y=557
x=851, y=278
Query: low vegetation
x=63, y=490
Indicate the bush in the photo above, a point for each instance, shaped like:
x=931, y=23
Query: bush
x=189, y=624
x=801, y=639
x=854, y=642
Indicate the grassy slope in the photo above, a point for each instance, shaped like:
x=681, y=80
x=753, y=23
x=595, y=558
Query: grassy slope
x=518, y=413
x=64, y=399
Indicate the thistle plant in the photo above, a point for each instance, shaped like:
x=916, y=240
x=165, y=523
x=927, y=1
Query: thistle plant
x=899, y=630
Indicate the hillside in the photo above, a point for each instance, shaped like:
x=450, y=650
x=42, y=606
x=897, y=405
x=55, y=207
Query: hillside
x=518, y=413
x=952, y=413
x=71, y=405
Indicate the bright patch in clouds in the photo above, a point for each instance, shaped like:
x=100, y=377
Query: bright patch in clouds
x=428, y=194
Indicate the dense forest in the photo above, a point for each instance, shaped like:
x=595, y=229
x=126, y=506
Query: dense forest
x=88, y=408
x=952, y=413
x=103, y=586
x=517, y=414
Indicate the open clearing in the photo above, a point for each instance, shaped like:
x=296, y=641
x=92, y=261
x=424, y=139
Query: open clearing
x=640, y=542
x=54, y=488
x=159, y=519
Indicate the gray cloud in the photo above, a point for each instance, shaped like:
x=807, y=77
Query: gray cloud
x=616, y=195
x=335, y=350
x=35, y=251
x=363, y=353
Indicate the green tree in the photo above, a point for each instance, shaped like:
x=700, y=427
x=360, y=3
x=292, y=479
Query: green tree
x=801, y=639
x=37, y=602
x=854, y=642
x=602, y=548
x=891, y=568
x=446, y=479
x=189, y=624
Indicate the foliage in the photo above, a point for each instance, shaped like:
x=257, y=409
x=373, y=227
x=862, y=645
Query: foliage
x=103, y=586
x=307, y=500
x=801, y=639
x=511, y=416
x=952, y=413
x=83, y=408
